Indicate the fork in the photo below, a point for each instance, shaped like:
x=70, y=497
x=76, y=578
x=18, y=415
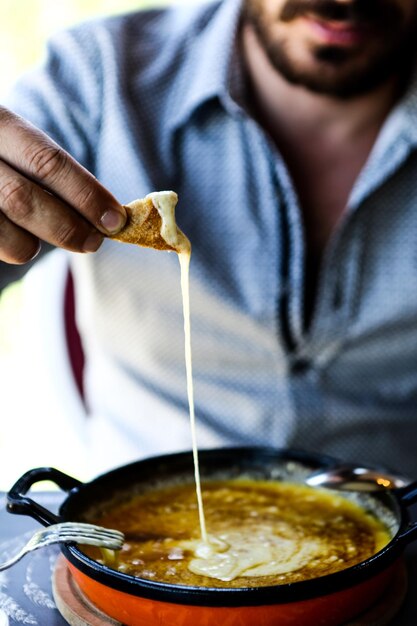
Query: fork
x=64, y=532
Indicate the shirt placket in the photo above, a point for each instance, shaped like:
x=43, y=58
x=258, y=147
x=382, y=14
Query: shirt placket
x=338, y=284
x=336, y=287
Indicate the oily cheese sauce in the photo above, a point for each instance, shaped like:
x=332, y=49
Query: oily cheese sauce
x=266, y=532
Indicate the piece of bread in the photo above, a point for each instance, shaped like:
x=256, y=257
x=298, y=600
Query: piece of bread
x=151, y=223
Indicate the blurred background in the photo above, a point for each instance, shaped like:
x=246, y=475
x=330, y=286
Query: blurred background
x=25, y=26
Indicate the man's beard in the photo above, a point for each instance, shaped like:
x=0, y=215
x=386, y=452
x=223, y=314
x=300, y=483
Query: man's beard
x=338, y=72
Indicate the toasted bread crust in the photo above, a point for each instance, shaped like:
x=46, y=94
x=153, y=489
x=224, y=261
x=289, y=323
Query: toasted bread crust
x=143, y=226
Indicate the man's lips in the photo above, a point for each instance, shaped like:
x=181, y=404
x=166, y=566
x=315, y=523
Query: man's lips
x=339, y=33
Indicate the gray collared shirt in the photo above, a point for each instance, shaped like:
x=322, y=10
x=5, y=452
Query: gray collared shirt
x=151, y=101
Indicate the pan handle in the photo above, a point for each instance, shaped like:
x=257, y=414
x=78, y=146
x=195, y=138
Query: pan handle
x=19, y=503
x=407, y=496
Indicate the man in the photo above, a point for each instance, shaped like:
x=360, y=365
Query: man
x=287, y=127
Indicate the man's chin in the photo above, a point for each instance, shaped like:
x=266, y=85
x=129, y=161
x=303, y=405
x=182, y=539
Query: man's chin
x=331, y=71
x=329, y=84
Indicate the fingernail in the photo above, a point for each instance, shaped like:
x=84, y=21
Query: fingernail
x=113, y=221
x=37, y=251
x=93, y=242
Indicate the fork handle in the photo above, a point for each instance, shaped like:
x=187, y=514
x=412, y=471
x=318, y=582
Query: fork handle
x=19, y=503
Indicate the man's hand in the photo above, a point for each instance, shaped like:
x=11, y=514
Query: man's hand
x=46, y=195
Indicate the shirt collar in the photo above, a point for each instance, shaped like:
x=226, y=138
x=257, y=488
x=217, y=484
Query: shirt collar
x=404, y=115
x=396, y=141
x=209, y=65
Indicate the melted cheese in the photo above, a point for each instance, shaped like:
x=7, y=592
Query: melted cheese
x=184, y=259
x=260, y=553
x=165, y=203
x=246, y=549
x=235, y=553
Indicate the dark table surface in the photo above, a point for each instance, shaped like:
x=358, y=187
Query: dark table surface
x=25, y=589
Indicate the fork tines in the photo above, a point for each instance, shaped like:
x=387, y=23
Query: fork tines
x=87, y=533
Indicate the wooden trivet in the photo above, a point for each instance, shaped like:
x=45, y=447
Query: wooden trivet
x=78, y=611
x=74, y=607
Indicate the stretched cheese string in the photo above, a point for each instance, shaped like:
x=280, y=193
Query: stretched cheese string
x=165, y=202
x=184, y=259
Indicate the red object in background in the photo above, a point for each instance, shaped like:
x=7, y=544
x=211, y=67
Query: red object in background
x=75, y=348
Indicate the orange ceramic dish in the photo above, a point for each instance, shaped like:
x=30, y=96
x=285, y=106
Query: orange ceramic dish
x=326, y=601
x=331, y=610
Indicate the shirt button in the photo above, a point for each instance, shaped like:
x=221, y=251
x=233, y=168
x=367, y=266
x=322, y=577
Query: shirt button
x=300, y=366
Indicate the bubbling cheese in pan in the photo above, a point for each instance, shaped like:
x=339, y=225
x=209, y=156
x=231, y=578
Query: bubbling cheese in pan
x=260, y=533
